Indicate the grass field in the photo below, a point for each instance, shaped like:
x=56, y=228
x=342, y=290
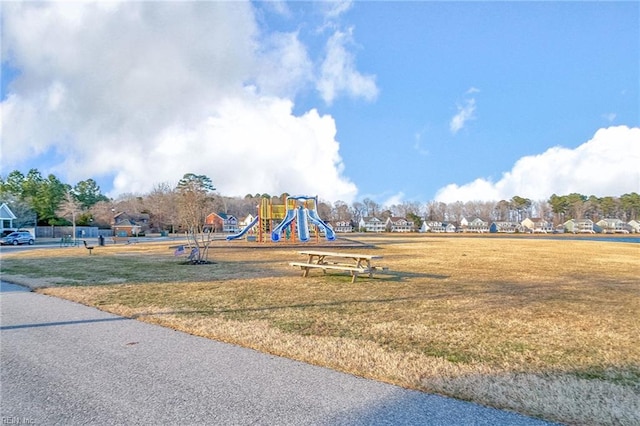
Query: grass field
x=548, y=328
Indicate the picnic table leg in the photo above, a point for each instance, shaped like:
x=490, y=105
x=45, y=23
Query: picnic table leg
x=370, y=268
x=320, y=261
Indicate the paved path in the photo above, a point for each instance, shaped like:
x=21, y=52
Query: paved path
x=68, y=364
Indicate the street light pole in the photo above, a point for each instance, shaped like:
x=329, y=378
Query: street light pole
x=113, y=226
x=73, y=218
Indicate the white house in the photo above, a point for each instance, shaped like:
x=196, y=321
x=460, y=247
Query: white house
x=537, y=225
x=582, y=226
x=614, y=226
x=399, y=224
x=475, y=225
x=505, y=227
x=342, y=226
x=6, y=218
x=372, y=224
x=437, y=227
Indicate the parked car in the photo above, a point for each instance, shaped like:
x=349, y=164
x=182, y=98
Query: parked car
x=15, y=238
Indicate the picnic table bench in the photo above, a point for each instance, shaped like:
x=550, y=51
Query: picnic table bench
x=67, y=240
x=354, y=263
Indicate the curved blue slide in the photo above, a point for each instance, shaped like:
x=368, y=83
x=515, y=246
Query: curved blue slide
x=328, y=230
x=244, y=231
x=275, y=234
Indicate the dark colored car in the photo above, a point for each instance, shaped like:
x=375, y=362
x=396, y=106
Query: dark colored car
x=19, y=237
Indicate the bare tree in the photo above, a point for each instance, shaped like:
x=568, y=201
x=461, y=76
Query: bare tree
x=358, y=211
x=405, y=208
x=195, y=200
x=324, y=209
x=435, y=211
x=341, y=211
x=372, y=208
x=543, y=209
x=160, y=203
x=70, y=208
x=455, y=212
x=501, y=210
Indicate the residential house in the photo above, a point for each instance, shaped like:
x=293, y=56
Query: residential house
x=582, y=226
x=437, y=227
x=6, y=218
x=634, y=226
x=614, y=226
x=130, y=224
x=537, y=225
x=342, y=226
x=371, y=224
x=425, y=227
x=246, y=221
x=475, y=225
x=221, y=222
x=505, y=227
x=399, y=224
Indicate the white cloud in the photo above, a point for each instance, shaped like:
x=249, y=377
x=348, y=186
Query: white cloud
x=279, y=7
x=394, y=200
x=284, y=64
x=338, y=72
x=606, y=165
x=465, y=113
x=333, y=9
x=146, y=92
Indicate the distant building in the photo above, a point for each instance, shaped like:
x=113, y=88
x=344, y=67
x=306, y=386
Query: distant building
x=437, y=227
x=399, y=224
x=371, y=224
x=582, y=226
x=537, y=225
x=614, y=226
x=130, y=224
x=505, y=227
x=6, y=218
x=475, y=225
x=342, y=226
x=221, y=222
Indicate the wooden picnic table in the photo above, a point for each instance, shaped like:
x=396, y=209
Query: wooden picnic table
x=354, y=263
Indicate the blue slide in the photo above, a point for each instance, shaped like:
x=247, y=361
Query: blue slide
x=275, y=234
x=244, y=231
x=328, y=230
x=303, y=226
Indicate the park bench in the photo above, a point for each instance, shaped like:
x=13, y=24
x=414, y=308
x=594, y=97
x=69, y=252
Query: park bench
x=88, y=247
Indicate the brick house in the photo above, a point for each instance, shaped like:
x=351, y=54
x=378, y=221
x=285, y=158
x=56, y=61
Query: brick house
x=130, y=224
x=221, y=222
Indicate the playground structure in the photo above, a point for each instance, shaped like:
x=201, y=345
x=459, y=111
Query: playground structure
x=295, y=220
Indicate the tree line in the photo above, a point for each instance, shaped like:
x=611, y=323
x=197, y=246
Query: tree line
x=47, y=201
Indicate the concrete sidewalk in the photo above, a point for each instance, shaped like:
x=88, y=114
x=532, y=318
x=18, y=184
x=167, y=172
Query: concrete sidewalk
x=65, y=363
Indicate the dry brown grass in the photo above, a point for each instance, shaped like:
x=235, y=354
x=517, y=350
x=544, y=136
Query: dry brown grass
x=544, y=327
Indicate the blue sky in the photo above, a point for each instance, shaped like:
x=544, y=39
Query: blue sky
x=393, y=101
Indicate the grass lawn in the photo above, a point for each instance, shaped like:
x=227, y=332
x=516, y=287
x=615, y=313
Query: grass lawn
x=548, y=328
